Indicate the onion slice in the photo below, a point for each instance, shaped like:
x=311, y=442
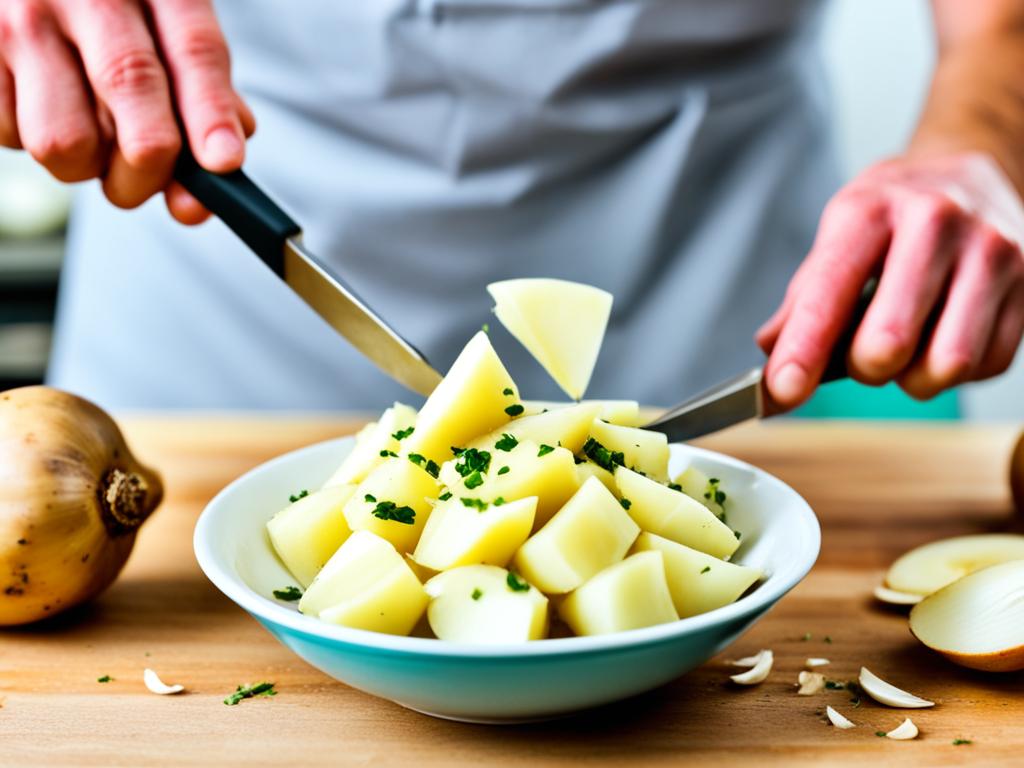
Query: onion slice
x=810, y=683
x=978, y=621
x=888, y=694
x=158, y=686
x=903, y=732
x=747, y=661
x=838, y=720
x=885, y=595
x=814, y=661
x=759, y=672
x=931, y=567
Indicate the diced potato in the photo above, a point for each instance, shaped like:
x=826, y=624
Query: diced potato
x=589, y=533
x=470, y=401
x=697, y=485
x=403, y=483
x=674, y=515
x=589, y=469
x=642, y=450
x=457, y=534
x=476, y=604
x=698, y=582
x=631, y=594
x=560, y=323
x=551, y=478
x=367, y=585
x=371, y=440
x=307, y=532
x=568, y=427
x=626, y=413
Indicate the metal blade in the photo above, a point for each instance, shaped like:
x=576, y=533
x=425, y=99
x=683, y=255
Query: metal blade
x=725, y=404
x=349, y=315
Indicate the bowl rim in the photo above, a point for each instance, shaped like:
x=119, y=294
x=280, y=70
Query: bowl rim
x=269, y=612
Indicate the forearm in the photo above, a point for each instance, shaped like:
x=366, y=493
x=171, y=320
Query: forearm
x=976, y=101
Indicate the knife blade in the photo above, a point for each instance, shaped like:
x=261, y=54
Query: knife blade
x=273, y=236
x=745, y=396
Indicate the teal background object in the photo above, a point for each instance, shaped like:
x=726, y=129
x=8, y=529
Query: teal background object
x=848, y=399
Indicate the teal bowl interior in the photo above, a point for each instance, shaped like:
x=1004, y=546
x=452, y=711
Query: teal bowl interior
x=500, y=683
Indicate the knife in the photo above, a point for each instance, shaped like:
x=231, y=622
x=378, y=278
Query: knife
x=745, y=396
x=273, y=236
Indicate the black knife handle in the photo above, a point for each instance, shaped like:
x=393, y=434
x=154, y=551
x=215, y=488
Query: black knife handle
x=836, y=368
x=243, y=206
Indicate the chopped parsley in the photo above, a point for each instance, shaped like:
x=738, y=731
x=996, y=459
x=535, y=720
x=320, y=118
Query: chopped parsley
x=498, y=501
x=960, y=742
x=516, y=584
x=601, y=456
x=486, y=327
x=835, y=685
x=739, y=536
x=428, y=465
x=250, y=691
x=626, y=503
x=478, y=504
x=477, y=594
x=386, y=453
x=104, y=679
x=288, y=594
x=507, y=442
x=676, y=487
x=544, y=450
x=471, y=460
x=388, y=510
x=514, y=410
x=714, y=493
x=508, y=391
x=445, y=496
x=503, y=471
x=300, y=495
x=828, y=639
x=457, y=451
x=880, y=734
x=475, y=480
x=806, y=637
x=705, y=569
x=370, y=498
x=403, y=433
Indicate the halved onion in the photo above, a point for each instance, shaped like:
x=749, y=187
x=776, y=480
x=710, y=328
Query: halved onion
x=891, y=596
x=978, y=621
x=930, y=567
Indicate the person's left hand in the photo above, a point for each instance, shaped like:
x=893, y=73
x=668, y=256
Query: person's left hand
x=945, y=233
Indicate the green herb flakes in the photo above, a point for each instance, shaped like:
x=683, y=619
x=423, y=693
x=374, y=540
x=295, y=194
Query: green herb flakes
x=428, y=465
x=601, y=456
x=388, y=454
x=705, y=569
x=544, y=450
x=516, y=584
x=477, y=594
x=486, y=327
x=249, y=692
x=471, y=460
x=961, y=742
x=403, y=433
x=498, y=501
x=676, y=487
x=514, y=410
x=475, y=480
x=288, y=594
x=370, y=498
x=626, y=503
x=507, y=442
x=714, y=493
x=300, y=495
x=104, y=679
x=445, y=496
x=828, y=639
x=806, y=637
x=880, y=734
x=478, y=504
x=503, y=471
x=388, y=510
x=508, y=391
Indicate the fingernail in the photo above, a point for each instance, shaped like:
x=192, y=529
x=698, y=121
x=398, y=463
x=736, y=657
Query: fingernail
x=222, y=147
x=790, y=383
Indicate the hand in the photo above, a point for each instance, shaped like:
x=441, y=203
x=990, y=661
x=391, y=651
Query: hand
x=945, y=232
x=88, y=87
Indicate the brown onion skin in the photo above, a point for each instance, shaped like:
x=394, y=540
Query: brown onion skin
x=1017, y=475
x=64, y=534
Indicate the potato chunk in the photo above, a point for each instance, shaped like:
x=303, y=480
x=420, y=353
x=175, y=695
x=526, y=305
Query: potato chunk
x=370, y=442
x=625, y=413
x=460, y=534
x=589, y=533
x=382, y=502
x=631, y=594
x=307, y=532
x=470, y=401
x=367, y=585
x=560, y=323
x=641, y=449
x=550, y=477
x=697, y=485
x=674, y=515
x=589, y=469
x=477, y=604
x=698, y=582
x=567, y=427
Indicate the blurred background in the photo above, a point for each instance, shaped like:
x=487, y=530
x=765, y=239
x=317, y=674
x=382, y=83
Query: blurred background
x=878, y=55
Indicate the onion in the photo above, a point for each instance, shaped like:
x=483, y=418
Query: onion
x=930, y=567
x=891, y=596
x=158, y=686
x=757, y=673
x=838, y=720
x=888, y=694
x=814, y=661
x=978, y=621
x=72, y=497
x=903, y=732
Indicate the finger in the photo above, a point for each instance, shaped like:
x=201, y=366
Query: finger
x=980, y=282
x=183, y=207
x=200, y=67
x=925, y=241
x=851, y=240
x=246, y=116
x=768, y=333
x=53, y=111
x=129, y=80
x=1006, y=339
x=8, y=122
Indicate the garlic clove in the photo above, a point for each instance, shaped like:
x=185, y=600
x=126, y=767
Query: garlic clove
x=888, y=694
x=904, y=731
x=814, y=661
x=758, y=673
x=885, y=595
x=747, y=661
x=838, y=720
x=156, y=685
x=810, y=683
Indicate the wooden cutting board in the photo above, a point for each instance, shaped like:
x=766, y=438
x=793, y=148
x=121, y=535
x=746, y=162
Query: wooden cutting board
x=878, y=491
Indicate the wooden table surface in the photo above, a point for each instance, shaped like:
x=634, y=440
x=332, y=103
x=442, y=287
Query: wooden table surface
x=878, y=491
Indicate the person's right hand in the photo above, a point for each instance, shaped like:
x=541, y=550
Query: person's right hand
x=90, y=89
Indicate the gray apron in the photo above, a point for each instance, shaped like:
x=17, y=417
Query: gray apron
x=673, y=152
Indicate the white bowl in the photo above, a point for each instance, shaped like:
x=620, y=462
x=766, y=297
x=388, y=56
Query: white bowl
x=501, y=683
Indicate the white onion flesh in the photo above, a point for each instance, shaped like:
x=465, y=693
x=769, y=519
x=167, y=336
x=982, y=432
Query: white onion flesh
x=158, y=686
x=885, y=595
x=888, y=694
x=931, y=567
x=904, y=731
x=814, y=661
x=838, y=720
x=758, y=673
